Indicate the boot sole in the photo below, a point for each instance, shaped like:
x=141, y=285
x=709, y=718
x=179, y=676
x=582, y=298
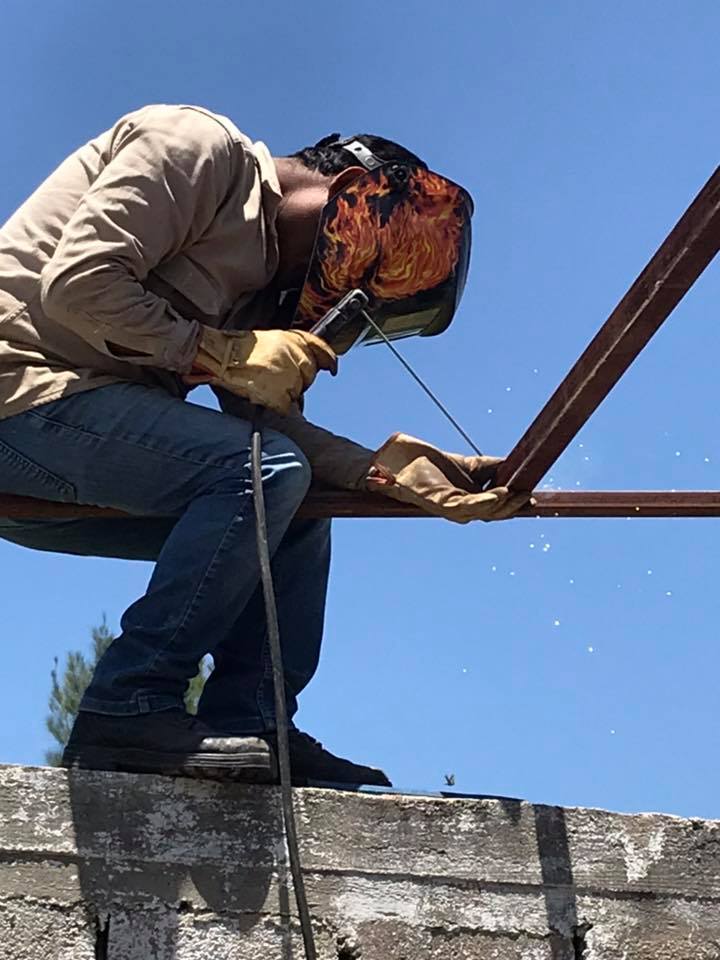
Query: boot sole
x=252, y=767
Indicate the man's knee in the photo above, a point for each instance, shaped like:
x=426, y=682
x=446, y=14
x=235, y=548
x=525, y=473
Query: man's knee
x=285, y=467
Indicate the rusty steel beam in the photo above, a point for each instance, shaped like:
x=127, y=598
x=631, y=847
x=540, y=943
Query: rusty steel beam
x=678, y=263
x=322, y=503
x=548, y=503
x=626, y=503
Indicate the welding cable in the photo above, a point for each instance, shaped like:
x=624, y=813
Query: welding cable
x=278, y=674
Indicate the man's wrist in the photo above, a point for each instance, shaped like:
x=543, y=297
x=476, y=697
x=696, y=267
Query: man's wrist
x=378, y=475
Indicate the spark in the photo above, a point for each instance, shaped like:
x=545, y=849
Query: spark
x=668, y=593
x=556, y=623
x=591, y=649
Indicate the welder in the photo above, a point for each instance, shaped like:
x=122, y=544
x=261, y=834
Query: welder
x=172, y=250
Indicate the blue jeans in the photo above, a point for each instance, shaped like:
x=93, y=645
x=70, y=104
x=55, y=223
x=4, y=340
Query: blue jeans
x=184, y=471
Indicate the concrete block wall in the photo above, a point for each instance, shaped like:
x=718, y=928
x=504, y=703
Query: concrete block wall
x=100, y=866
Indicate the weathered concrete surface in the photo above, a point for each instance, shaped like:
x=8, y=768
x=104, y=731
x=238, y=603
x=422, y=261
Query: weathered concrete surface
x=99, y=866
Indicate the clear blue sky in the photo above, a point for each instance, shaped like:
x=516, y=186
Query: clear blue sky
x=583, y=131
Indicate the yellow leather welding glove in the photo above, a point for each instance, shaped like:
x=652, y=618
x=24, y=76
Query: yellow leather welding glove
x=443, y=484
x=272, y=368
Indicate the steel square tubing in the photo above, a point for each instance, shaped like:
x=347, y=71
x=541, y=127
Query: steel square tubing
x=678, y=263
x=340, y=503
x=550, y=504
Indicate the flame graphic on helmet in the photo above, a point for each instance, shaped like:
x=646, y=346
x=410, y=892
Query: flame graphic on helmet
x=392, y=245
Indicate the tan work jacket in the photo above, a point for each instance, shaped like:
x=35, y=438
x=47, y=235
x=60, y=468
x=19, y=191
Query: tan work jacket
x=164, y=221
x=172, y=199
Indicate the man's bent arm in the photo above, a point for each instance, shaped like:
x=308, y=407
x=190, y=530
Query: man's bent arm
x=166, y=177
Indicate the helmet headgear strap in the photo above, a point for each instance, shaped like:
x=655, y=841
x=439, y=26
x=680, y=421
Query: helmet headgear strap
x=362, y=153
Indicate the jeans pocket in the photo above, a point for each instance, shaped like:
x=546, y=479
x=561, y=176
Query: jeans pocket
x=21, y=476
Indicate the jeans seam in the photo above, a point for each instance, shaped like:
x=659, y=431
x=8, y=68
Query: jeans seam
x=209, y=570
x=219, y=465
x=267, y=676
x=137, y=705
x=35, y=471
x=268, y=713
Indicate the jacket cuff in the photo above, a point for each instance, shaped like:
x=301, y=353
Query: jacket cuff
x=180, y=350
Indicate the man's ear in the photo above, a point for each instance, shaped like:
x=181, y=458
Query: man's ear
x=342, y=179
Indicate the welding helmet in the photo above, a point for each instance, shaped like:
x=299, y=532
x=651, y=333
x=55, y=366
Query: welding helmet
x=401, y=234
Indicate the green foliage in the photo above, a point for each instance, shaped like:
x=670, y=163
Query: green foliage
x=67, y=689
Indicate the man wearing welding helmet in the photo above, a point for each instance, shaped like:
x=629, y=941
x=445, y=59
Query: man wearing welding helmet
x=161, y=255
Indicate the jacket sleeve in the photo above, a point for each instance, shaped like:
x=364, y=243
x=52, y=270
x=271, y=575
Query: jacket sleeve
x=334, y=460
x=168, y=171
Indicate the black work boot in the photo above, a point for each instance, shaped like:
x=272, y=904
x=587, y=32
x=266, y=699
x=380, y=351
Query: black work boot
x=168, y=741
x=311, y=762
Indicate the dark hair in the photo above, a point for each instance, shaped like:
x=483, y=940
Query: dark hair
x=329, y=158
